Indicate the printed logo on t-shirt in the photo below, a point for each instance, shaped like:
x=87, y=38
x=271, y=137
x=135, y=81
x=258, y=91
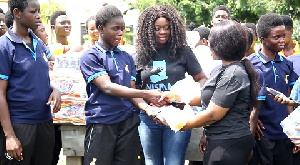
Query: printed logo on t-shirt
x=126, y=68
x=160, y=68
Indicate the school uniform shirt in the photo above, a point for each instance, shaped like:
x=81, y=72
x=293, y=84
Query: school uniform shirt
x=119, y=66
x=28, y=79
x=228, y=87
x=47, y=54
x=163, y=72
x=296, y=61
x=278, y=74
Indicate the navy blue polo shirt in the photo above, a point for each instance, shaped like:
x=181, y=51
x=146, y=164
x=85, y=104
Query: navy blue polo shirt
x=277, y=74
x=296, y=61
x=119, y=66
x=28, y=79
x=46, y=50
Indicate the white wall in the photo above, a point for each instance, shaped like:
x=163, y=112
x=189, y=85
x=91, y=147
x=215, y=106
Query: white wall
x=80, y=10
x=3, y=6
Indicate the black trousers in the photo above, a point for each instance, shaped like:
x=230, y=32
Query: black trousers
x=37, y=141
x=296, y=159
x=113, y=144
x=272, y=152
x=228, y=151
x=57, y=145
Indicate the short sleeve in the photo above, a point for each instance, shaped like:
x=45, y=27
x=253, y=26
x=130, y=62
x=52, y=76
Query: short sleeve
x=132, y=69
x=295, y=93
x=292, y=76
x=227, y=89
x=92, y=65
x=192, y=67
x=5, y=63
x=46, y=50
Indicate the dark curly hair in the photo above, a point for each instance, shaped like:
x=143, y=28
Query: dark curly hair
x=106, y=14
x=266, y=23
x=203, y=32
x=19, y=4
x=55, y=15
x=287, y=21
x=146, y=43
x=221, y=7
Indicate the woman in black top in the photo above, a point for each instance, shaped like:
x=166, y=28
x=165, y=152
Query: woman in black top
x=226, y=97
x=163, y=58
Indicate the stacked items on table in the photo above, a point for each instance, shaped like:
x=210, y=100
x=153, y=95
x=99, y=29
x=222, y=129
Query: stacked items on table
x=66, y=77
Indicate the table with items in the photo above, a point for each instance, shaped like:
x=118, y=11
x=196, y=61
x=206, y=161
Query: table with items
x=66, y=77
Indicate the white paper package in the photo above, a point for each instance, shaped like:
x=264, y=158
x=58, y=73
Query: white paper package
x=291, y=122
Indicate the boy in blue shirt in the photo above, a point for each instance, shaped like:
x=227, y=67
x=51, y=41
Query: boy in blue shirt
x=25, y=90
x=272, y=145
x=112, y=125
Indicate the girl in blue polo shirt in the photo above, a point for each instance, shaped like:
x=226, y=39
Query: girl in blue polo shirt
x=272, y=145
x=112, y=125
x=25, y=91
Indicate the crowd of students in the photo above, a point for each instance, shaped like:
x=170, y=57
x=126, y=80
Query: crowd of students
x=241, y=122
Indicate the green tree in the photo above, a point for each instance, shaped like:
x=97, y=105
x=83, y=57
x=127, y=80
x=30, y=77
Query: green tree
x=47, y=9
x=200, y=11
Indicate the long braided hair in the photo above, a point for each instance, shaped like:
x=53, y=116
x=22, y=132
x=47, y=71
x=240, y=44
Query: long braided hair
x=146, y=43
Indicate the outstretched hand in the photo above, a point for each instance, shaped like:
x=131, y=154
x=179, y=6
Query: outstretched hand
x=282, y=99
x=153, y=96
x=152, y=112
x=169, y=97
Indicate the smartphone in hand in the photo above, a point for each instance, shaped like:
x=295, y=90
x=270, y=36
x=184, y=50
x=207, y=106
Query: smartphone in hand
x=273, y=91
